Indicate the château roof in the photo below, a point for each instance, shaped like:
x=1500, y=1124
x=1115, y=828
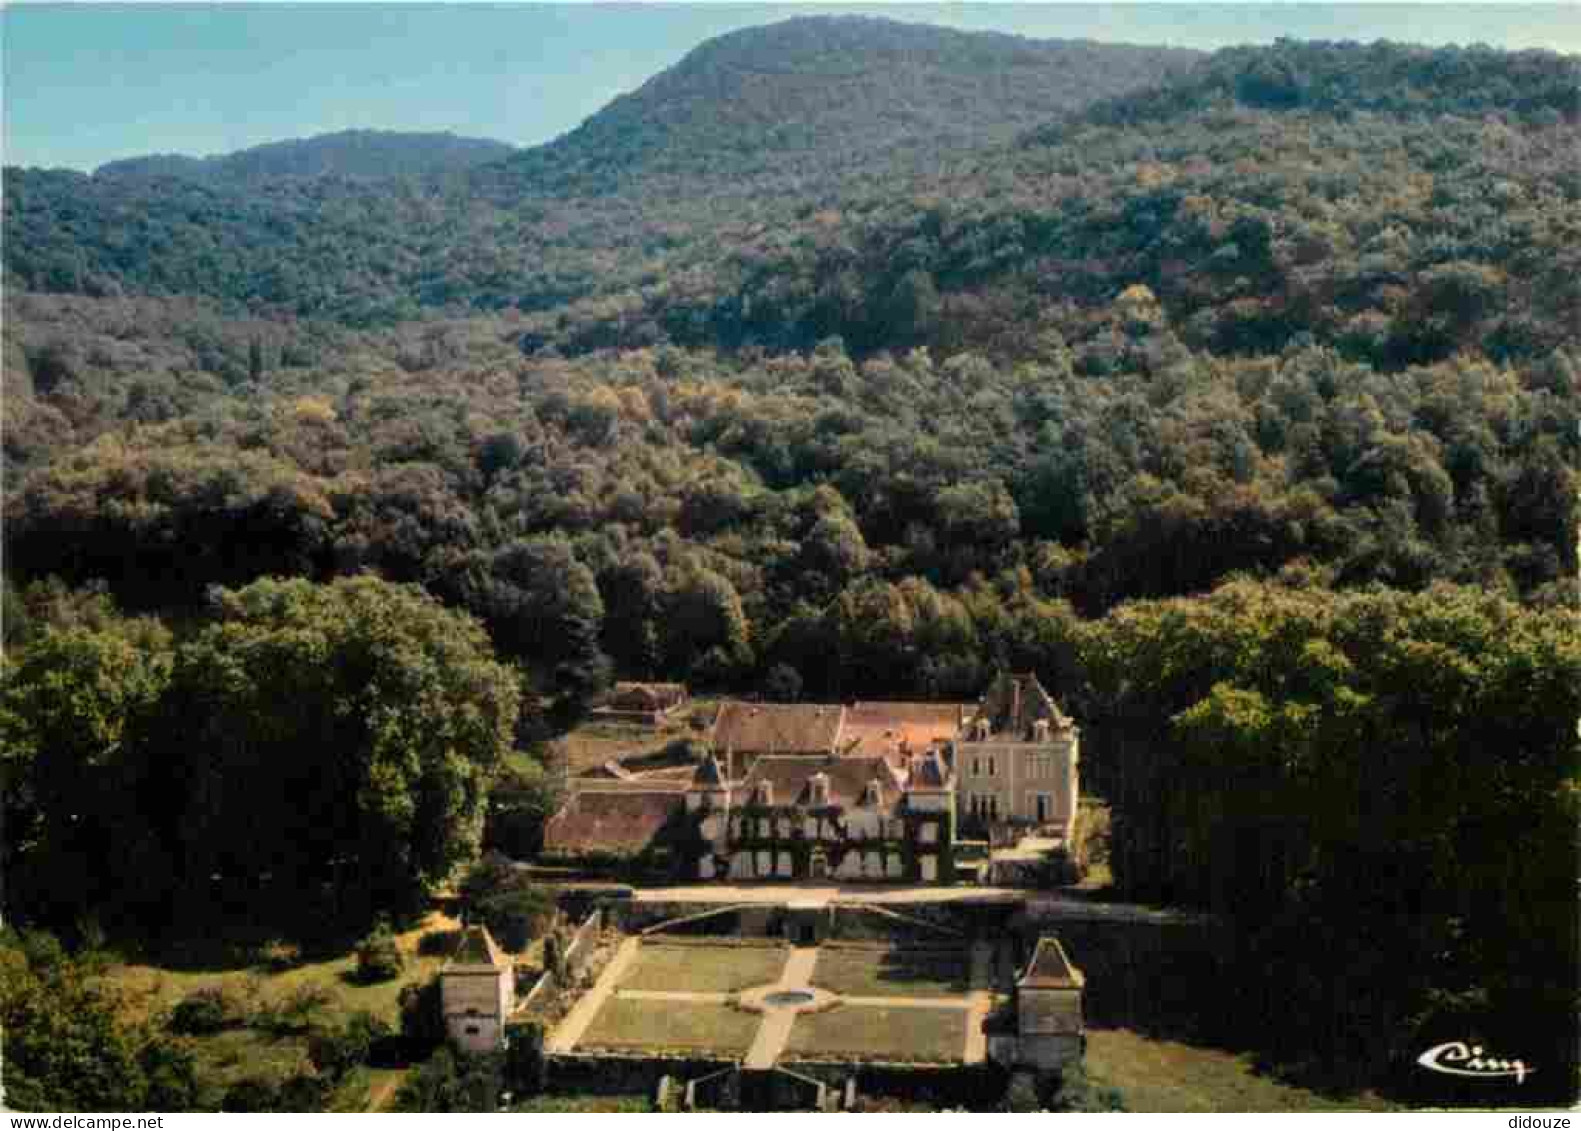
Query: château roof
x=882, y=728
x=777, y=728
x=790, y=777
x=1015, y=701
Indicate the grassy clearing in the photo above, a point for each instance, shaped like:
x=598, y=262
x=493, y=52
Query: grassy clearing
x=228, y=1057
x=1161, y=1076
x=895, y=972
x=878, y=1033
x=150, y=989
x=576, y=1105
x=626, y=1023
x=703, y=969
x=593, y=743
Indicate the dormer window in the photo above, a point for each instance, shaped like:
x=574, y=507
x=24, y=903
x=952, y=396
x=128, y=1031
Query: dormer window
x=870, y=795
x=818, y=788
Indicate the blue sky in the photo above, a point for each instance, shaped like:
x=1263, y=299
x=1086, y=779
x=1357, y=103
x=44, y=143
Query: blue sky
x=88, y=83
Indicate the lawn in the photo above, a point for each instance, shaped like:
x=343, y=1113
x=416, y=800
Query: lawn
x=704, y=969
x=626, y=1023
x=595, y=742
x=1155, y=1075
x=879, y=1033
x=237, y=1053
x=577, y=1105
x=892, y=972
x=151, y=988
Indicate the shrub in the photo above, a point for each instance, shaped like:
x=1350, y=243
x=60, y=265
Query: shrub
x=302, y=1092
x=203, y=1011
x=1077, y=1093
x=782, y=684
x=422, y=1017
x=172, y=1076
x=277, y=955
x=297, y=1011
x=500, y=895
x=523, y=1071
x=254, y=1094
x=515, y=916
x=443, y=1084
x=336, y=1052
x=379, y=957
x=1022, y=1094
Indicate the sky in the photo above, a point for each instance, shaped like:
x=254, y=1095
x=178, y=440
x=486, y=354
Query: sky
x=88, y=83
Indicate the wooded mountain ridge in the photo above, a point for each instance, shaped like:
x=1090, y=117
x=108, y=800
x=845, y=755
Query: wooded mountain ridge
x=346, y=153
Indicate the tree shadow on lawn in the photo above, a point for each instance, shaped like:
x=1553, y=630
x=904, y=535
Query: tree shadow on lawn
x=1169, y=984
x=233, y=934
x=950, y=969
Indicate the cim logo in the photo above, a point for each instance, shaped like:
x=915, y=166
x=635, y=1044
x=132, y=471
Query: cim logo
x=1456, y=1058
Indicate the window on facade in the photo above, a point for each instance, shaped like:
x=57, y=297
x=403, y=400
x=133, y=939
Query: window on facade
x=977, y=767
x=473, y=1030
x=991, y=770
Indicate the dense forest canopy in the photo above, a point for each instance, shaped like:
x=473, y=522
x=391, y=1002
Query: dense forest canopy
x=1239, y=397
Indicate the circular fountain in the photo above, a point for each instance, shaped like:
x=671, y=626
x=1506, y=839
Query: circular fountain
x=790, y=998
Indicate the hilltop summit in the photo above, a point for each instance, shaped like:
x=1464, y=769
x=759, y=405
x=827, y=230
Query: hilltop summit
x=831, y=91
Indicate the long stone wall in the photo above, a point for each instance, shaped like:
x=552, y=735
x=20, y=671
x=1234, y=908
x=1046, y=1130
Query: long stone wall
x=940, y=1086
x=614, y=1074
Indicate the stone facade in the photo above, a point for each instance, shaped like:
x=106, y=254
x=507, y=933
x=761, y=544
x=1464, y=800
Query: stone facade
x=1016, y=762
x=873, y=791
x=795, y=817
x=476, y=992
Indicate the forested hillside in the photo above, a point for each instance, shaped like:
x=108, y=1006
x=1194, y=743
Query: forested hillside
x=348, y=153
x=749, y=129
x=1245, y=410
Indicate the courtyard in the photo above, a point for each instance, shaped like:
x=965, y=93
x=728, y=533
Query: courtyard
x=765, y=1003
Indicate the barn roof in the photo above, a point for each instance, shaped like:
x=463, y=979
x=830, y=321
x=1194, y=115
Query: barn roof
x=611, y=820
